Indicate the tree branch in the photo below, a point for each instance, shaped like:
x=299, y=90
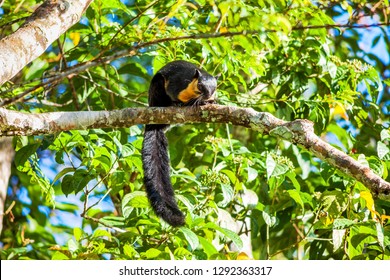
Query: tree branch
x=42, y=28
x=299, y=132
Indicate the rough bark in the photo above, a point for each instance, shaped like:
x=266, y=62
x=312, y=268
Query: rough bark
x=42, y=28
x=6, y=156
x=299, y=132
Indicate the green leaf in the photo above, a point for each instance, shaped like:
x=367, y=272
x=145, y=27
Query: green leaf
x=334, y=202
x=187, y=200
x=113, y=221
x=117, y=180
x=228, y=233
x=130, y=196
x=22, y=155
x=103, y=162
x=376, y=165
x=337, y=238
x=136, y=199
x=380, y=234
x=67, y=184
x=332, y=68
x=252, y=174
x=36, y=69
x=77, y=233
x=101, y=233
x=62, y=173
x=359, y=237
x=382, y=149
x=207, y=246
x=139, y=202
x=59, y=157
x=181, y=252
x=270, y=220
x=342, y=223
x=73, y=246
x=271, y=165
x=327, y=171
x=127, y=150
x=152, y=253
x=232, y=176
x=385, y=134
x=81, y=178
x=232, y=236
x=191, y=237
x=375, y=40
x=129, y=251
x=59, y=256
x=274, y=169
x=228, y=194
x=292, y=177
x=294, y=194
x=118, y=145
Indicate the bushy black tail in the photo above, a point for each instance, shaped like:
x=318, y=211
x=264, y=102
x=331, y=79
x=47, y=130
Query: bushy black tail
x=156, y=175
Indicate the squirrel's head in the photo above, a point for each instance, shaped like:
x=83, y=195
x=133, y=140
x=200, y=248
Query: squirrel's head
x=200, y=90
x=206, y=85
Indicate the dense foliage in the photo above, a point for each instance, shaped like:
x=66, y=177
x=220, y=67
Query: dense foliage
x=79, y=194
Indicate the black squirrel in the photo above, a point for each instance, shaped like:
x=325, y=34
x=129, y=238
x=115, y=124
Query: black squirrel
x=178, y=83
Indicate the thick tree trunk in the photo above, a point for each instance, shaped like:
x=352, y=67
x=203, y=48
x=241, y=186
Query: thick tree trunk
x=6, y=156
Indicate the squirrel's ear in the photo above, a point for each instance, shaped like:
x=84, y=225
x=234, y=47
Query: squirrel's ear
x=197, y=74
x=217, y=76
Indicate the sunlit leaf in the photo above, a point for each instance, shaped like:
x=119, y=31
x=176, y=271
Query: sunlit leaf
x=152, y=253
x=77, y=233
x=207, y=246
x=191, y=237
x=229, y=234
x=382, y=150
x=337, y=238
x=294, y=194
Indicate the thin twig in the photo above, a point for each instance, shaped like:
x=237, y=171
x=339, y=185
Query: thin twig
x=100, y=200
x=8, y=209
